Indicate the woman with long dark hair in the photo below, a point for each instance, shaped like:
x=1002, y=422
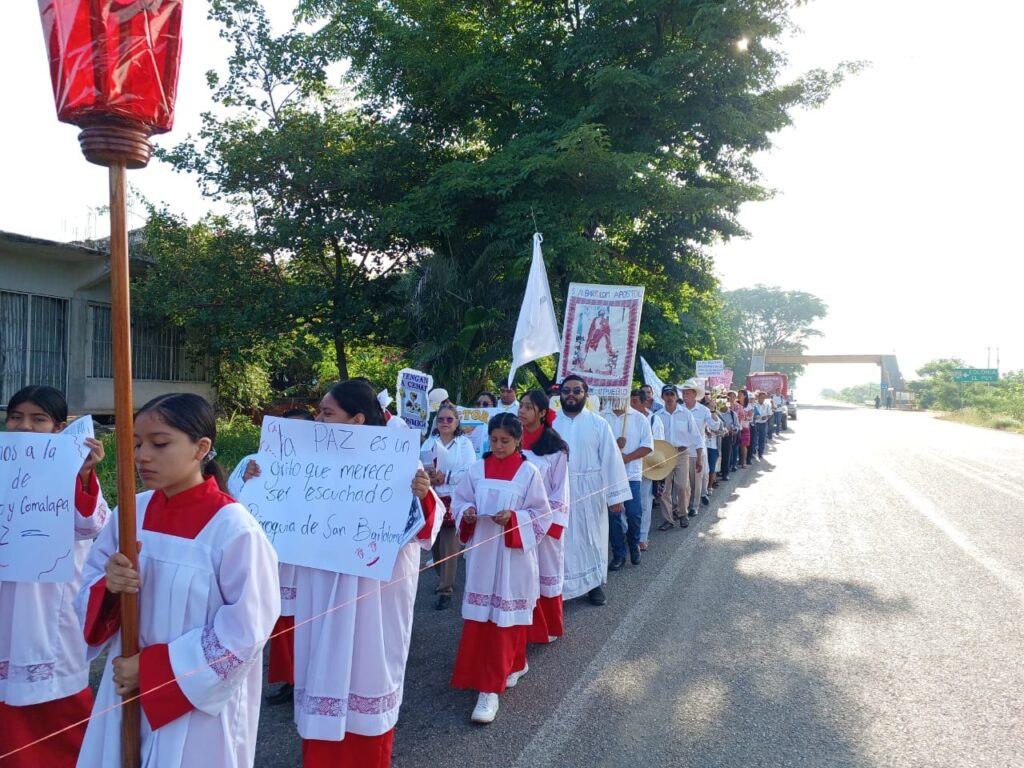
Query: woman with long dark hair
x=545, y=449
x=352, y=633
x=208, y=599
x=44, y=685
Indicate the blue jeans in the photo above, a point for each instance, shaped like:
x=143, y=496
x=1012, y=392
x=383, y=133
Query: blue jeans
x=626, y=524
x=712, y=461
x=758, y=438
x=735, y=458
x=777, y=416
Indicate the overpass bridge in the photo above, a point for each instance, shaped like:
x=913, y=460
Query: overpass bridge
x=889, y=370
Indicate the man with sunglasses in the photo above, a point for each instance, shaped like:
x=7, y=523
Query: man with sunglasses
x=599, y=485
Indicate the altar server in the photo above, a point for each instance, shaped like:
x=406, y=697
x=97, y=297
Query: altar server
x=208, y=599
x=546, y=450
x=502, y=512
x=352, y=634
x=44, y=675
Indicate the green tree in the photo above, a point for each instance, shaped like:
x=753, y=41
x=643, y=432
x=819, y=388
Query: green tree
x=623, y=130
x=313, y=181
x=767, y=317
x=209, y=280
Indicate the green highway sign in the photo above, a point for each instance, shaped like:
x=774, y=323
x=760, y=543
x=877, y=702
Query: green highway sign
x=962, y=375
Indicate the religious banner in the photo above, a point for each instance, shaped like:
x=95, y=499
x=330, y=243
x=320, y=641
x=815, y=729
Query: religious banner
x=352, y=487
x=706, y=368
x=413, y=400
x=38, y=473
x=602, y=323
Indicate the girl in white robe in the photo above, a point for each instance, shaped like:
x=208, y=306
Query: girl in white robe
x=352, y=634
x=208, y=598
x=502, y=512
x=546, y=450
x=44, y=675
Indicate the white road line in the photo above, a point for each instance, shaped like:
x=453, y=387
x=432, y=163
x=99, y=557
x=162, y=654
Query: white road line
x=568, y=716
x=979, y=475
x=1000, y=572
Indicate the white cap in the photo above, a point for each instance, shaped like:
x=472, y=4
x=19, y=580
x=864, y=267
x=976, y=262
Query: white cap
x=436, y=397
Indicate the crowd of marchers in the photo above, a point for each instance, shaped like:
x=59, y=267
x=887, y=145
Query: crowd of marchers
x=562, y=494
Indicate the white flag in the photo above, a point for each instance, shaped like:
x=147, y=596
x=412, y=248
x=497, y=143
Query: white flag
x=652, y=379
x=537, y=330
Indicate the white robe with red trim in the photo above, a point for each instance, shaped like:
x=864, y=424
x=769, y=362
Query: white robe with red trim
x=42, y=653
x=352, y=642
x=554, y=470
x=208, y=604
x=502, y=576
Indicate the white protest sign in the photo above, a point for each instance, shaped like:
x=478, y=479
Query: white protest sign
x=707, y=368
x=37, y=506
x=81, y=428
x=335, y=496
x=413, y=400
x=476, y=431
x=473, y=421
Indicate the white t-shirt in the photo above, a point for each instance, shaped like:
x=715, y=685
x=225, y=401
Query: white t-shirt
x=638, y=435
x=702, y=418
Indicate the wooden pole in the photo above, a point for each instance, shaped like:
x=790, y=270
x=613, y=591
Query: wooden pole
x=123, y=414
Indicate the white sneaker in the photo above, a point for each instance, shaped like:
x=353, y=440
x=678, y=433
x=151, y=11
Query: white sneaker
x=486, y=708
x=511, y=680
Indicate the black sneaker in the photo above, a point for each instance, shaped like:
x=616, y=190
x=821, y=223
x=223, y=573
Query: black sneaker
x=283, y=695
x=634, y=554
x=617, y=563
x=705, y=500
x=596, y=596
x=443, y=601
x=683, y=522
x=692, y=513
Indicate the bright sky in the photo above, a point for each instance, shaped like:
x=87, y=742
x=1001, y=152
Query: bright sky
x=895, y=201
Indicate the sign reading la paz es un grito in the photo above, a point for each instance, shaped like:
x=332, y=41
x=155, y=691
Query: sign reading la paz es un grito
x=962, y=375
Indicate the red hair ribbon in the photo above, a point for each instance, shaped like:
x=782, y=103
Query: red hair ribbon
x=550, y=418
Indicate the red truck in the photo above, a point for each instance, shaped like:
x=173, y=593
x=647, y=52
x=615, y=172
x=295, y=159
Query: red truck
x=771, y=382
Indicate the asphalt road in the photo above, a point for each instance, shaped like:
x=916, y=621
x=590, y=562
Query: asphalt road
x=855, y=600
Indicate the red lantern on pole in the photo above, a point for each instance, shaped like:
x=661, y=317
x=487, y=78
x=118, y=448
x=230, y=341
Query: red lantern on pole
x=114, y=68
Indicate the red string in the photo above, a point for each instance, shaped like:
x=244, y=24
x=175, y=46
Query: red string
x=229, y=655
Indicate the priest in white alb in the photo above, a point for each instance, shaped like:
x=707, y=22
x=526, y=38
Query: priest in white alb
x=599, y=484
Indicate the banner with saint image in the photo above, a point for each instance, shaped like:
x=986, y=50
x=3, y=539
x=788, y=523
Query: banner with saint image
x=602, y=323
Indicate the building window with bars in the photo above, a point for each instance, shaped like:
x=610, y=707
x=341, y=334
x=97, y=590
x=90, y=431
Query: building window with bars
x=33, y=342
x=158, y=350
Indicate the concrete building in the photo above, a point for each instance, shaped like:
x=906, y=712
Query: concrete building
x=55, y=329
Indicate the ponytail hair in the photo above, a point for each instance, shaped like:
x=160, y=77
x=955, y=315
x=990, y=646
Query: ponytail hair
x=356, y=396
x=549, y=441
x=195, y=417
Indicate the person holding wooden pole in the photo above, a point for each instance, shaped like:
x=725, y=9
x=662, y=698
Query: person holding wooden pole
x=207, y=578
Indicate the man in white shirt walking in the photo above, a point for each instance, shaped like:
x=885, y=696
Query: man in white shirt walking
x=681, y=432
x=693, y=390
x=640, y=402
x=635, y=440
